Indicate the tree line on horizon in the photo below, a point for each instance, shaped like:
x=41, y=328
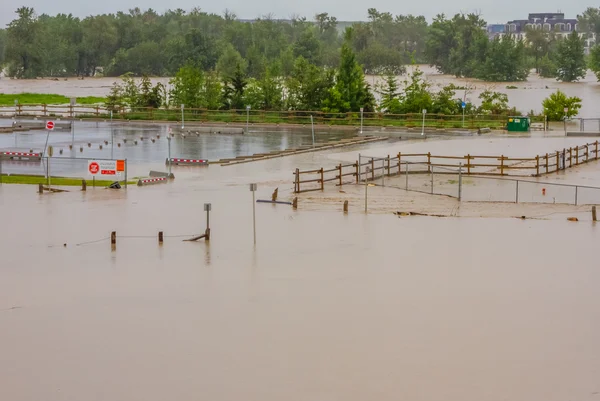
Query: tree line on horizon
x=148, y=43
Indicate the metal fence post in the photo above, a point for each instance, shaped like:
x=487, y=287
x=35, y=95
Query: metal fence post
x=431, y=178
x=125, y=173
x=517, y=193
x=576, y=187
x=460, y=182
x=406, y=173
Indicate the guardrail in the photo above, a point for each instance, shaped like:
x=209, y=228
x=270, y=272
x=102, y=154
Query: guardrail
x=187, y=162
x=425, y=162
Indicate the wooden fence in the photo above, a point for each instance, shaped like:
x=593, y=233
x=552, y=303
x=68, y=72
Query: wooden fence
x=373, y=168
x=369, y=119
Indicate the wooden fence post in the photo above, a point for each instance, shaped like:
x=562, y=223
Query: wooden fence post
x=577, y=155
x=297, y=181
x=502, y=165
x=587, y=153
x=356, y=173
x=546, y=163
x=322, y=180
x=593, y=213
x=45, y=110
x=399, y=163
x=570, y=157
x=160, y=237
x=596, y=151
x=113, y=238
x=373, y=169
x=468, y=164
x=429, y=162
x=388, y=165
x=537, y=166
x=557, y=161
x=340, y=173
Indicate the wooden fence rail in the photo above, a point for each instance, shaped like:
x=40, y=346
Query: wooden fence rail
x=425, y=162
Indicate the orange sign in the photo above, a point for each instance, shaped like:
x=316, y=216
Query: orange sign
x=120, y=165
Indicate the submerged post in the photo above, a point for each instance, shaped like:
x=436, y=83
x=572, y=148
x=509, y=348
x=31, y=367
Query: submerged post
x=460, y=182
x=593, y=213
x=295, y=203
x=207, y=208
x=160, y=237
x=346, y=207
x=113, y=238
x=253, y=189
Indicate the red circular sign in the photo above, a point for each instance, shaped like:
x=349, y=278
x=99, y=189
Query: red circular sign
x=94, y=168
x=50, y=125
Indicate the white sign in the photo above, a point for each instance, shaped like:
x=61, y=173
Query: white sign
x=105, y=168
x=424, y=111
x=362, y=109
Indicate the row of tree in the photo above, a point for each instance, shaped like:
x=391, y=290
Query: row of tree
x=308, y=88
x=147, y=43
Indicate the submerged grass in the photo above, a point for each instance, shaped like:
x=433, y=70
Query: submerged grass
x=43, y=98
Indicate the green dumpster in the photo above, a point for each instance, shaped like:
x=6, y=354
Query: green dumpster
x=517, y=124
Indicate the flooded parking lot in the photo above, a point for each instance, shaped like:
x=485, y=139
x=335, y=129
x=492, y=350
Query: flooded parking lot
x=326, y=306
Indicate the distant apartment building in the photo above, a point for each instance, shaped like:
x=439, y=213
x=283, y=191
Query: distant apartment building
x=555, y=22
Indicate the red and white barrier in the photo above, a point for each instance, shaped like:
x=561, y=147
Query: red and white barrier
x=21, y=155
x=151, y=181
x=188, y=162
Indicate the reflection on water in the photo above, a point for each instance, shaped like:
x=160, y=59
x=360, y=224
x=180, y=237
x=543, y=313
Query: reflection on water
x=202, y=146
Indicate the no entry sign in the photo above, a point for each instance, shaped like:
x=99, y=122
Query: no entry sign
x=105, y=168
x=49, y=125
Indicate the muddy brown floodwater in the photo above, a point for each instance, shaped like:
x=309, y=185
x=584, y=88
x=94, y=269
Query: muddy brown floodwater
x=326, y=307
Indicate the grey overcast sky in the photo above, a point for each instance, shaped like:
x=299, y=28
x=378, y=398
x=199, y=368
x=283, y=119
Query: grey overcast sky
x=346, y=10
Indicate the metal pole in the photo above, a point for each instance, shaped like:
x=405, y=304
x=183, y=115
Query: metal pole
x=49, y=183
x=576, y=187
x=366, y=191
x=208, y=219
x=248, y=118
x=169, y=140
x=432, y=180
x=182, y=117
x=125, y=173
x=423, y=128
x=460, y=182
x=254, y=217
x=313, y=129
x=382, y=172
x=517, y=193
x=112, y=137
x=73, y=133
x=463, y=117
x=406, y=174
x=359, y=167
x=361, y=120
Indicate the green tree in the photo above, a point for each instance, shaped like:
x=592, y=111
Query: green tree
x=390, y=96
x=554, y=106
x=150, y=96
x=493, y=103
x=589, y=21
x=547, y=67
x=308, y=86
x=186, y=87
x=233, y=90
x=21, y=52
x=445, y=102
x=594, y=60
x=416, y=93
x=504, y=61
x=570, y=59
x=2, y=46
x=211, y=91
x=350, y=92
x=229, y=60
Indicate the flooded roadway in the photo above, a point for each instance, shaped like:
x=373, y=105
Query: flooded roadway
x=326, y=306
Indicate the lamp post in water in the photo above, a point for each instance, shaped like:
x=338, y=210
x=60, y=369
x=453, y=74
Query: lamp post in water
x=253, y=190
x=361, y=119
x=182, y=117
x=312, y=125
x=247, y=117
